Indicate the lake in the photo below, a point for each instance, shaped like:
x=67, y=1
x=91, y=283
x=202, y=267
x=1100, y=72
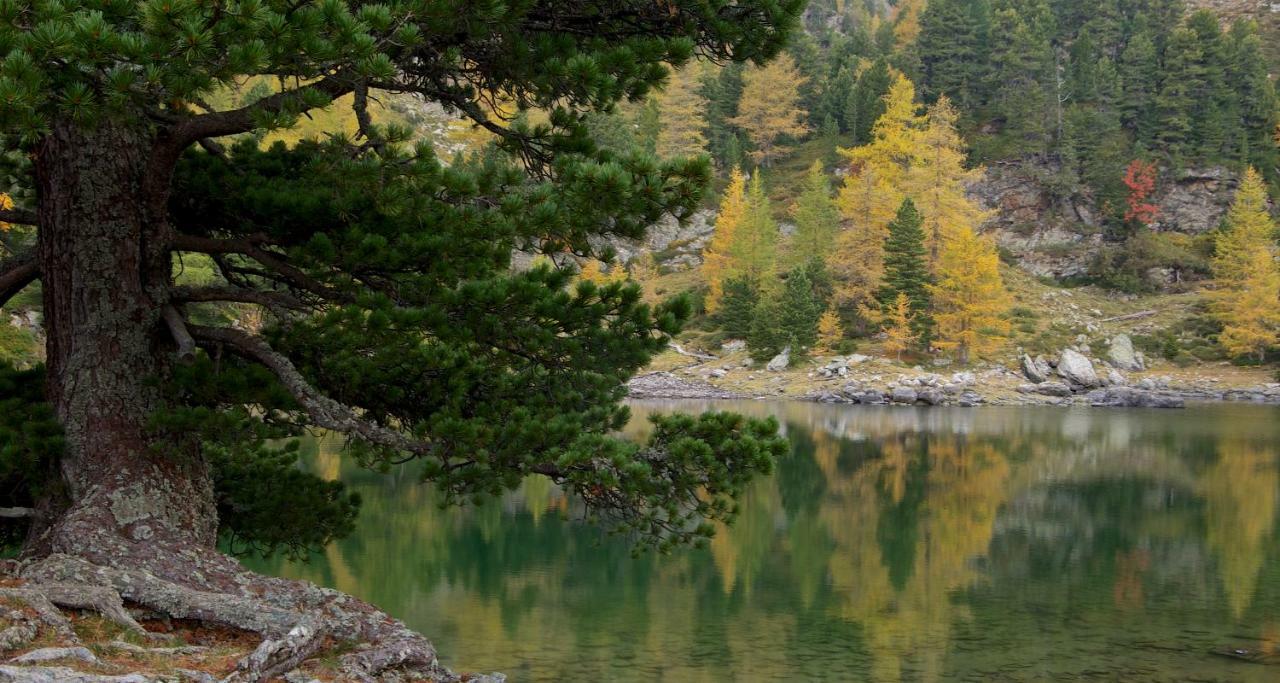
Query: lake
x=894, y=544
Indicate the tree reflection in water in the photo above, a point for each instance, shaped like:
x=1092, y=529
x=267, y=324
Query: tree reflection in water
x=893, y=544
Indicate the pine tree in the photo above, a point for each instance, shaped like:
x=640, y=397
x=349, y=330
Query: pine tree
x=737, y=309
x=1184, y=79
x=900, y=327
x=753, y=252
x=866, y=102
x=1139, y=70
x=770, y=108
x=1024, y=75
x=1246, y=297
x=953, y=50
x=722, y=88
x=800, y=308
x=767, y=337
x=717, y=259
x=906, y=269
x=392, y=315
x=682, y=108
x=969, y=298
x=817, y=219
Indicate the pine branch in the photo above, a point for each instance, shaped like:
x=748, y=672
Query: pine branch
x=252, y=247
x=277, y=301
x=16, y=273
x=323, y=411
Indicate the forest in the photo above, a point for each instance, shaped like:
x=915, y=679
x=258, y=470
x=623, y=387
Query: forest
x=874, y=108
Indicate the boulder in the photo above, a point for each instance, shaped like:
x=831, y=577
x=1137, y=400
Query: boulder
x=933, y=397
x=1058, y=389
x=1078, y=370
x=1122, y=355
x=857, y=359
x=1032, y=370
x=970, y=399
x=733, y=346
x=780, y=362
x=1115, y=378
x=905, y=395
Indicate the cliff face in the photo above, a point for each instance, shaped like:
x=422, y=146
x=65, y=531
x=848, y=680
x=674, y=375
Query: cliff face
x=1059, y=238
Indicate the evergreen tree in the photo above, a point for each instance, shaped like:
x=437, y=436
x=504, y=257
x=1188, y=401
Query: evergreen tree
x=906, y=268
x=866, y=102
x=953, y=50
x=970, y=299
x=817, y=219
x=799, y=311
x=1258, y=107
x=1184, y=80
x=1139, y=71
x=767, y=338
x=717, y=260
x=737, y=309
x=770, y=108
x=722, y=88
x=1024, y=74
x=392, y=315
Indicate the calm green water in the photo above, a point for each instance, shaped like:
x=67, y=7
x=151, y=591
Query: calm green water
x=1019, y=544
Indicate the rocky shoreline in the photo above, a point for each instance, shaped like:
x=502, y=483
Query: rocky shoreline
x=1070, y=379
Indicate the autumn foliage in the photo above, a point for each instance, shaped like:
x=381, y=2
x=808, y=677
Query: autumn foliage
x=1140, y=178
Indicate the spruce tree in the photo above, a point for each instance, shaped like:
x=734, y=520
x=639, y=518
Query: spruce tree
x=866, y=103
x=392, y=314
x=906, y=268
x=799, y=310
x=737, y=307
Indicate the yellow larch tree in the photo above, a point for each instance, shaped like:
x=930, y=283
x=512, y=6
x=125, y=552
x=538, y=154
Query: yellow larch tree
x=899, y=335
x=969, y=298
x=593, y=271
x=1246, y=296
x=872, y=193
x=716, y=258
x=682, y=108
x=770, y=107
x=830, y=331
x=754, y=250
x=908, y=22
x=937, y=179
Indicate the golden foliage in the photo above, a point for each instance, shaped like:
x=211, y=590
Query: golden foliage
x=1246, y=275
x=593, y=271
x=970, y=297
x=937, y=179
x=899, y=336
x=715, y=260
x=682, y=105
x=830, y=331
x=770, y=107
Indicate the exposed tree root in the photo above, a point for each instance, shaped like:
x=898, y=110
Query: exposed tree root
x=295, y=619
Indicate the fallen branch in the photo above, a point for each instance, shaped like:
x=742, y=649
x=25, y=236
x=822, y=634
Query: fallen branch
x=17, y=513
x=692, y=354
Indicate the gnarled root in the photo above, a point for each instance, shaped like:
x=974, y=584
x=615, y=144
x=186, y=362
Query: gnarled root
x=295, y=619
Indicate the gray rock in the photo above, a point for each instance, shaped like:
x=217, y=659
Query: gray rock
x=1053, y=389
x=1121, y=354
x=719, y=373
x=733, y=346
x=780, y=362
x=1115, y=378
x=905, y=395
x=970, y=399
x=933, y=397
x=967, y=379
x=857, y=359
x=49, y=654
x=61, y=674
x=1078, y=370
x=1032, y=371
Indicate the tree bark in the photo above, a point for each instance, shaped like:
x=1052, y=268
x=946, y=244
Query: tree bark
x=106, y=274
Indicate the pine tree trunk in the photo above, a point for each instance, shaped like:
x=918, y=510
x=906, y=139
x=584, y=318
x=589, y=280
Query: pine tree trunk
x=103, y=250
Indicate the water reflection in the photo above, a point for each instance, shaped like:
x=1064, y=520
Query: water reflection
x=893, y=545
